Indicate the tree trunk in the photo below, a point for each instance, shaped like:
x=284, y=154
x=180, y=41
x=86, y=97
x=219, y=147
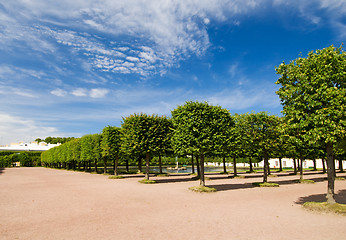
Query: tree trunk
x=301, y=167
x=140, y=164
x=160, y=164
x=105, y=165
x=234, y=166
x=85, y=166
x=268, y=167
x=294, y=166
x=90, y=165
x=265, y=167
x=330, y=172
x=323, y=165
x=341, y=168
x=95, y=165
x=116, y=161
x=201, y=178
x=224, y=164
x=250, y=162
x=192, y=165
x=314, y=161
x=127, y=165
x=334, y=165
x=280, y=162
x=198, y=168
x=147, y=158
x=298, y=165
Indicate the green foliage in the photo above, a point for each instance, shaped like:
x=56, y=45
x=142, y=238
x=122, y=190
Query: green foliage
x=55, y=140
x=26, y=159
x=87, y=148
x=146, y=134
x=202, y=189
x=200, y=128
x=111, y=142
x=313, y=94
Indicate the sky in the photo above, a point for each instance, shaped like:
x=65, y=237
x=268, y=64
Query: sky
x=70, y=68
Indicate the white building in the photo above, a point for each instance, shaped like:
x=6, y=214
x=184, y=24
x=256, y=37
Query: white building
x=32, y=146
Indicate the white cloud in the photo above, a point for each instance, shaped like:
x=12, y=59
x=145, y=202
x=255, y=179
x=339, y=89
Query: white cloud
x=59, y=92
x=23, y=93
x=206, y=21
x=98, y=92
x=132, y=59
x=80, y=92
x=15, y=129
x=167, y=28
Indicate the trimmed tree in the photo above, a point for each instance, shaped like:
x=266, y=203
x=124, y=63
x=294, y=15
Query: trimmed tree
x=263, y=129
x=144, y=134
x=199, y=128
x=313, y=96
x=111, y=147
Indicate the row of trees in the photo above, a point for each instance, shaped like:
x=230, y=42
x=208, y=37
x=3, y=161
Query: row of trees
x=26, y=159
x=197, y=130
x=313, y=96
x=54, y=140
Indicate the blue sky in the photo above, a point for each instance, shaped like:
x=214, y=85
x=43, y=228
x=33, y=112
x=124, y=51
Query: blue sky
x=69, y=68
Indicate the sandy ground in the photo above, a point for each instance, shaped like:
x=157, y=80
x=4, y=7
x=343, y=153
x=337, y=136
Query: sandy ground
x=40, y=203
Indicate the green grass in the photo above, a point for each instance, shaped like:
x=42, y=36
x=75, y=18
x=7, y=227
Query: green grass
x=115, y=177
x=145, y=181
x=272, y=175
x=202, y=189
x=326, y=207
x=261, y=184
x=340, y=178
x=307, y=181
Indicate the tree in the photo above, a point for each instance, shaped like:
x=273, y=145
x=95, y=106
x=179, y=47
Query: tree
x=164, y=135
x=86, y=147
x=263, y=130
x=143, y=134
x=199, y=129
x=313, y=94
x=111, y=146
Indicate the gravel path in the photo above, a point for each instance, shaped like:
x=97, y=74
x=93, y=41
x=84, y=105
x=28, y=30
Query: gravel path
x=40, y=203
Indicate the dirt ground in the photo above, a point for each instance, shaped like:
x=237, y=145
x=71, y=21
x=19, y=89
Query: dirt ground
x=41, y=203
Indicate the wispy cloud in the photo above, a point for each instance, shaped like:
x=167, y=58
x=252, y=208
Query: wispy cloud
x=171, y=30
x=15, y=129
x=59, y=92
x=98, y=92
x=80, y=92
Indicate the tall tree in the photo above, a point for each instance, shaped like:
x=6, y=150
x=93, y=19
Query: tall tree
x=313, y=94
x=111, y=146
x=263, y=129
x=199, y=128
x=144, y=134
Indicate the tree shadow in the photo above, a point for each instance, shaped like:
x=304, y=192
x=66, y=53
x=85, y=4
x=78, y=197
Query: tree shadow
x=175, y=180
x=296, y=181
x=340, y=197
x=2, y=170
x=227, y=187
